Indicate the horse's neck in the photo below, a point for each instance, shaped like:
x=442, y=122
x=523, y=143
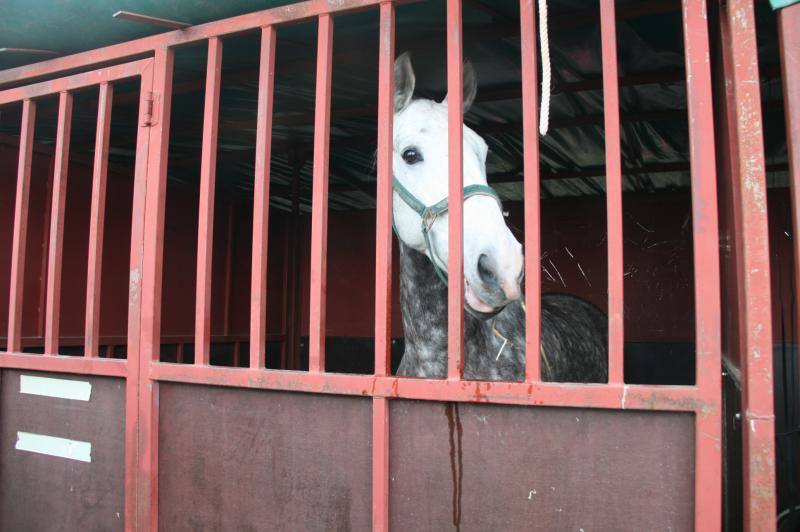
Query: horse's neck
x=423, y=300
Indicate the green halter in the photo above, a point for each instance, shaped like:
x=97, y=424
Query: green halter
x=429, y=215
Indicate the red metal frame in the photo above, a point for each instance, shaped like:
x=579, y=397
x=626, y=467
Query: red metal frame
x=743, y=108
x=143, y=370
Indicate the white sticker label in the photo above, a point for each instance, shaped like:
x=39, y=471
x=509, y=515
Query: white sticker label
x=53, y=446
x=60, y=388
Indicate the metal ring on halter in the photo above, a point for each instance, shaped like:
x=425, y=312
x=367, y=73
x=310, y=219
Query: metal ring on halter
x=429, y=215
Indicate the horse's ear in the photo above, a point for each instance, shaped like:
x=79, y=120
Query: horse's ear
x=470, y=86
x=403, y=82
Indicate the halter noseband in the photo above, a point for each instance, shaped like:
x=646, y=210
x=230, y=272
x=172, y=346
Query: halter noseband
x=429, y=215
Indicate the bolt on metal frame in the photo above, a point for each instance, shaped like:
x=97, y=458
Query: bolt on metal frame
x=143, y=370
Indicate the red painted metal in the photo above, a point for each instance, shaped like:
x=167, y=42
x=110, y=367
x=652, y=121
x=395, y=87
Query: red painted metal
x=383, y=222
x=533, y=244
x=65, y=364
x=20, y=226
x=380, y=464
x=383, y=267
x=455, y=150
x=319, y=205
x=134, y=340
x=616, y=334
x=74, y=82
x=97, y=220
x=258, y=292
x=151, y=280
x=205, y=222
x=755, y=309
x=59, y=199
x=708, y=432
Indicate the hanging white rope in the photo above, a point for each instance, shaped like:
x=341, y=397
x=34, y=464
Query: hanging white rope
x=544, y=110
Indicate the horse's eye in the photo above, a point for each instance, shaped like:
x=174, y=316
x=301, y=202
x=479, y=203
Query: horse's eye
x=412, y=156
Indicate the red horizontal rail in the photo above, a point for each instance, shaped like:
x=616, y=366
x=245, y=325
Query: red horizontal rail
x=625, y=397
x=108, y=367
x=76, y=81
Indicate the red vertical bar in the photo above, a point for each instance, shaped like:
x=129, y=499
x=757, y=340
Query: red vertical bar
x=152, y=269
x=380, y=464
x=97, y=221
x=133, y=380
x=383, y=268
x=758, y=435
x=258, y=295
x=708, y=434
x=616, y=335
x=455, y=134
x=60, y=166
x=20, y=227
x=530, y=132
x=383, y=222
x=205, y=221
x=319, y=205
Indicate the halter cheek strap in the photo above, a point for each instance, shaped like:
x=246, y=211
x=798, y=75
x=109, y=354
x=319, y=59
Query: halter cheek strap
x=429, y=215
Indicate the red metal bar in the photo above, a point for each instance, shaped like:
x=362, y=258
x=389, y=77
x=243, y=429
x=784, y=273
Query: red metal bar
x=97, y=220
x=152, y=268
x=258, y=291
x=134, y=345
x=54, y=262
x=620, y=397
x=380, y=464
x=109, y=367
x=205, y=221
x=20, y=226
x=755, y=311
x=455, y=147
x=383, y=222
x=74, y=82
x=530, y=132
x=616, y=334
x=708, y=432
x=292, y=13
x=319, y=203
x=383, y=267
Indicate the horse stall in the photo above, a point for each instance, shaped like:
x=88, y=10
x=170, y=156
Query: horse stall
x=207, y=308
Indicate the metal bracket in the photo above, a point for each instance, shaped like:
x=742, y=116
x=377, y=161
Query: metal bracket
x=150, y=109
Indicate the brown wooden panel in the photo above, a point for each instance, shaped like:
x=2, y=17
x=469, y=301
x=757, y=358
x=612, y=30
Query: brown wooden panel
x=488, y=467
x=44, y=493
x=235, y=459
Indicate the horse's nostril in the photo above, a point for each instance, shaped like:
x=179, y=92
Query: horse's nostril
x=486, y=270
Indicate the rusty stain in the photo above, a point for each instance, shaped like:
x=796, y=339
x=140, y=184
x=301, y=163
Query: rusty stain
x=456, y=458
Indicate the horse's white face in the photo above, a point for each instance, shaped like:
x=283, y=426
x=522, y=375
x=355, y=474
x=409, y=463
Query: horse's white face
x=493, y=262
